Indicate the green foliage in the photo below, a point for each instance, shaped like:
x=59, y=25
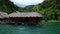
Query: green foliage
x=7, y=6
x=49, y=9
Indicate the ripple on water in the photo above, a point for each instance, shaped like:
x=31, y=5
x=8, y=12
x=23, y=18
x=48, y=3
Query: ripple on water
x=46, y=28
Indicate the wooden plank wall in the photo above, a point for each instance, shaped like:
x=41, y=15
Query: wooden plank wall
x=27, y=20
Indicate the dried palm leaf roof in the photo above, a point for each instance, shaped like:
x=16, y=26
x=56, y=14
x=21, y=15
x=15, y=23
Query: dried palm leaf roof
x=25, y=14
x=3, y=15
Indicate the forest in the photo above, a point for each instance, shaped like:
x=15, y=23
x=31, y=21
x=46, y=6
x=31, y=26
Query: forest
x=50, y=9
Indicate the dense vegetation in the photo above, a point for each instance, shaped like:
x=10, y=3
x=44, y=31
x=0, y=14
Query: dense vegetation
x=49, y=9
x=7, y=6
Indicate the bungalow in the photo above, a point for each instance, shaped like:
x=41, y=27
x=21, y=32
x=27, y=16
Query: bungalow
x=3, y=16
x=25, y=17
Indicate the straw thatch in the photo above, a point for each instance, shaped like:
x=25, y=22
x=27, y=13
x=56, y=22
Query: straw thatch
x=3, y=15
x=25, y=14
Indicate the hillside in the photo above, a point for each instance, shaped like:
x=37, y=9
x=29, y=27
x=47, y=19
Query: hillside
x=7, y=6
x=49, y=9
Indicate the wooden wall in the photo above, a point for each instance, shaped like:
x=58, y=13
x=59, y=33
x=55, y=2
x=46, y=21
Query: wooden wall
x=26, y=20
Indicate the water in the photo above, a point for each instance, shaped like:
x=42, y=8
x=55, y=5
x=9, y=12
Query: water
x=45, y=28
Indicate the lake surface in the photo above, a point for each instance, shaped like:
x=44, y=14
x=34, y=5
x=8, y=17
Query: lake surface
x=44, y=28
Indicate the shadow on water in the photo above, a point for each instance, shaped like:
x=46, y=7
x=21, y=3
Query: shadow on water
x=34, y=25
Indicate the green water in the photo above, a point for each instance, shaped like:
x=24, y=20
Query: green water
x=45, y=28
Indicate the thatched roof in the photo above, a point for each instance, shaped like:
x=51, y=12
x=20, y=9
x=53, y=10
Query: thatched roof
x=25, y=14
x=3, y=15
